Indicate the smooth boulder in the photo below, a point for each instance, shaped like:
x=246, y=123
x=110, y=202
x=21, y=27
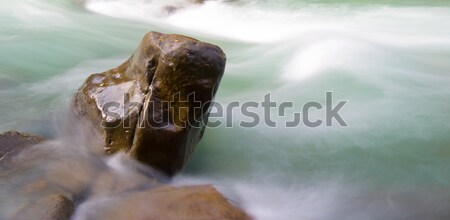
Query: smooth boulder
x=156, y=104
x=166, y=203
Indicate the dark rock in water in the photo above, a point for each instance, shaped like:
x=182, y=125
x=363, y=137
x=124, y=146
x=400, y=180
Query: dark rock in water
x=170, y=9
x=53, y=207
x=198, y=1
x=187, y=203
x=154, y=106
x=12, y=142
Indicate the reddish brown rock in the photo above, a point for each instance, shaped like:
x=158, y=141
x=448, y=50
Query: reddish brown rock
x=170, y=203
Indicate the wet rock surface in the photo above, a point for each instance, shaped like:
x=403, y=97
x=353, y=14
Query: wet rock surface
x=168, y=203
x=151, y=108
x=13, y=142
x=52, y=207
x=154, y=106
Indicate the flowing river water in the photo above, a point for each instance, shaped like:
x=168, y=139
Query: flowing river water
x=389, y=59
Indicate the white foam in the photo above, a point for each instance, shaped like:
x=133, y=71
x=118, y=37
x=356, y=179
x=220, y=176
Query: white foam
x=258, y=24
x=240, y=23
x=319, y=39
x=217, y=18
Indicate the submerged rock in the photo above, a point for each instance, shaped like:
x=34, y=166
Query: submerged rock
x=52, y=207
x=166, y=202
x=155, y=105
x=13, y=142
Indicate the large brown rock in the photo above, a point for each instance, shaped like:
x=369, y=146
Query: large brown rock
x=167, y=203
x=129, y=105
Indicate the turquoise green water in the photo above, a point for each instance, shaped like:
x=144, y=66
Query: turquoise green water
x=389, y=59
